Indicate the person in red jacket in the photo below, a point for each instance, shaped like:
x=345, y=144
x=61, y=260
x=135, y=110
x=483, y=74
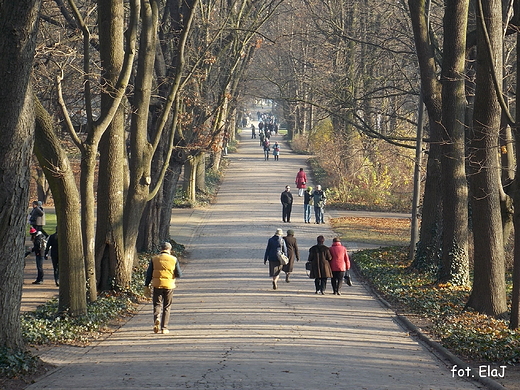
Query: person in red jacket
x=301, y=181
x=339, y=264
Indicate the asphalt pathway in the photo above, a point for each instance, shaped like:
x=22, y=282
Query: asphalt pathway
x=231, y=330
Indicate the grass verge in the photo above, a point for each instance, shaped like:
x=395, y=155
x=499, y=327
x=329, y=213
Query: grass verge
x=468, y=334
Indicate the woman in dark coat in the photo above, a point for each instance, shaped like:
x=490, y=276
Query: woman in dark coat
x=292, y=253
x=320, y=257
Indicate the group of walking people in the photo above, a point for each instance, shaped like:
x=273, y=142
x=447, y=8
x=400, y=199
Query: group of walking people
x=323, y=262
x=316, y=198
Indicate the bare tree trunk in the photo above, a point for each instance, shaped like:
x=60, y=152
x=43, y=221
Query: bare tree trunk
x=55, y=163
x=488, y=295
x=110, y=246
x=429, y=246
x=18, y=27
x=455, y=261
x=169, y=190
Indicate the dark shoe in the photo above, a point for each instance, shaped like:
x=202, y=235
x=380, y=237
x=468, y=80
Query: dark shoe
x=57, y=284
x=37, y=282
x=322, y=293
x=274, y=285
x=287, y=278
x=338, y=293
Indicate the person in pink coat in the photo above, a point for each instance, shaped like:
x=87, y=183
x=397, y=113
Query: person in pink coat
x=301, y=181
x=340, y=264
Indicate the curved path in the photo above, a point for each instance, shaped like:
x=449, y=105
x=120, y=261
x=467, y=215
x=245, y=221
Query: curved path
x=230, y=330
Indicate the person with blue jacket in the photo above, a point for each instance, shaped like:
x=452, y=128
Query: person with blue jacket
x=275, y=246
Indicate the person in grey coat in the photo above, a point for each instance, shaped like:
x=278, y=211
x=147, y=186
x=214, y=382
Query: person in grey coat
x=275, y=245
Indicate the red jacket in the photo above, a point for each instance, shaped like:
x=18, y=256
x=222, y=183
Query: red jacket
x=301, y=179
x=340, y=260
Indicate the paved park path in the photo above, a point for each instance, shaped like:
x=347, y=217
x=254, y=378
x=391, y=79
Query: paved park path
x=231, y=330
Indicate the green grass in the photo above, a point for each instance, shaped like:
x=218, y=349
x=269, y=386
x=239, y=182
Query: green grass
x=472, y=336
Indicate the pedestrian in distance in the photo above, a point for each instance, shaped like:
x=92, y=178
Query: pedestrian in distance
x=320, y=257
x=275, y=246
x=339, y=264
x=253, y=131
x=39, y=243
x=267, y=149
x=52, y=246
x=301, y=181
x=261, y=136
x=162, y=272
x=292, y=253
x=286, y=199
x=276, y=151
x=319, y=199
x=307, y=202
x=37, y=216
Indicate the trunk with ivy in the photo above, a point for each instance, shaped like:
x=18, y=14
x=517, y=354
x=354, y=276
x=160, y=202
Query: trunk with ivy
x=455, y=262
x=111, y=269
x=488, y=295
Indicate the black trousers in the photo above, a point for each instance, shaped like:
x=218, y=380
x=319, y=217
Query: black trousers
x=321, y=284
x=286, y=212
x=337, y=280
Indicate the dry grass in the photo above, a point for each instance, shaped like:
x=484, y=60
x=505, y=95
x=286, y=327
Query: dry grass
x=378, y=231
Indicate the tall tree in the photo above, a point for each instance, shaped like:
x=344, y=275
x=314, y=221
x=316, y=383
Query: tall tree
x=488, y=294
x=58, y=170
x=455, y=260
x=18, y=28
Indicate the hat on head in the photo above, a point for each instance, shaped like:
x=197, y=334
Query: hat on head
x=32, y=230
x=290, y=232
x=279, y=232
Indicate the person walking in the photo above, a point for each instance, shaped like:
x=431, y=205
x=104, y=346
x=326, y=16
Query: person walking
x=339, y=264
x=275, y=245
x=253, y=131
x=38, y=248
x=37, y=216
x=276, y=151
x=292, y=253
x=307, y=200
x=162, y=272
x=320, y=257
x=52, y=246
x=301, y=181
x=287, y=200
x=319, y=199
x=267, y=149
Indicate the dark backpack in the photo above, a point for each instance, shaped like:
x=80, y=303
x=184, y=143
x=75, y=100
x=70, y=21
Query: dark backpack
x=40, y=242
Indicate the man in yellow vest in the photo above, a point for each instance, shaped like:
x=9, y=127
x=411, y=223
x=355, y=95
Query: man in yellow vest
x=162, y=271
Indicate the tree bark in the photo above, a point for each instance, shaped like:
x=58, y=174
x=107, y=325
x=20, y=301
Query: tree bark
x=488, y=295
x=56, y=166
x=429, y=246
x=455, y=262
x=18, y=28
x=110, y=248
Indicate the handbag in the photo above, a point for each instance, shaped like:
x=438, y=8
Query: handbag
x=282, y=258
